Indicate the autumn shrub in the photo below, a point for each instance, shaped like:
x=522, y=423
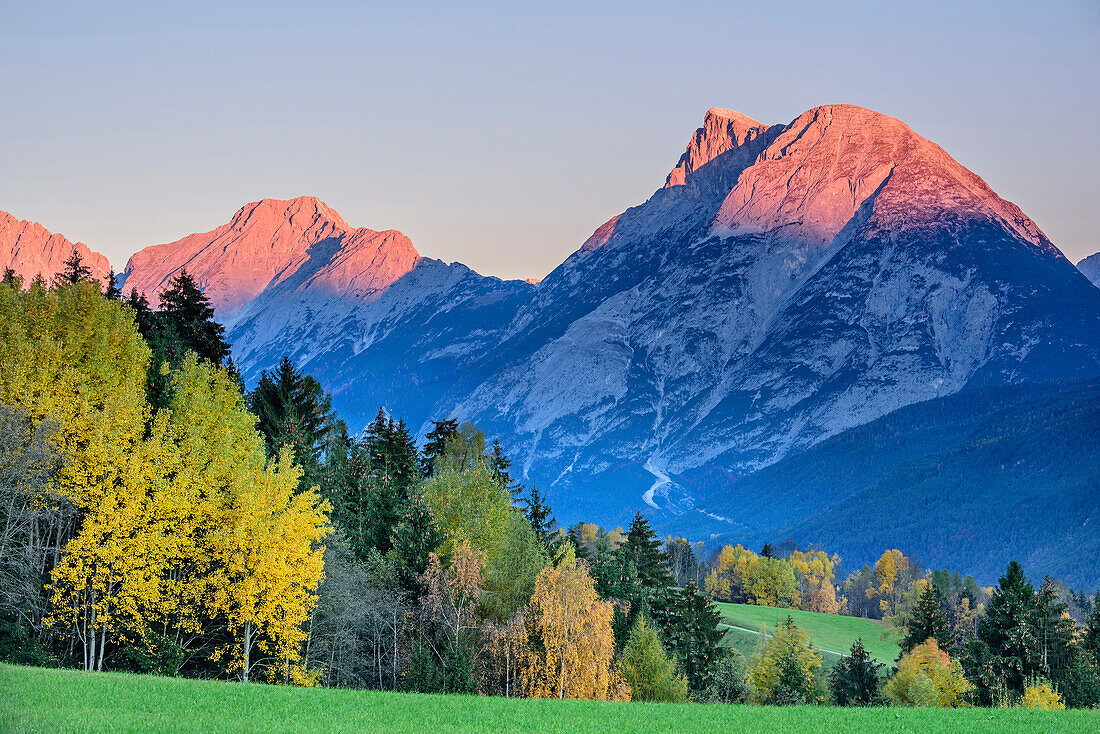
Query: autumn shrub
x=927, y=676
x=1040, y=695
x=785, y=670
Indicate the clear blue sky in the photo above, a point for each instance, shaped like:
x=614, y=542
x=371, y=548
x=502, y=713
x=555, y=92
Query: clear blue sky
x=502, y=134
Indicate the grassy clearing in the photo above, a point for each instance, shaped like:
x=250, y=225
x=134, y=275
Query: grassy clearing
x=39, y=700
x=829, y=631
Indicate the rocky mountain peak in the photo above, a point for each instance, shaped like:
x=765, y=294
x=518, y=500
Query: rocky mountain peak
x=30, y=250
x=722, y=131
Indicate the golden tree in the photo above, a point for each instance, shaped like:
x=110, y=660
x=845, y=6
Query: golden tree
x=927, y=676
x=572, y=643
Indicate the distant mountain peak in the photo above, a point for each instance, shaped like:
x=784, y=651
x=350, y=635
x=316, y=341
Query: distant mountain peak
x=268, y=242
x=722, y=131
x=1090, y=267
x=30, y=250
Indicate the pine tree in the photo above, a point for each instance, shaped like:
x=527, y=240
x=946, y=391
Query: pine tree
x=12, y=280
x=112, y=293
x=187, y=322
x=74, y=270
x=855, y=679
x=644, y=549
x=693, y=633
x=441, y=433
x=928, y=619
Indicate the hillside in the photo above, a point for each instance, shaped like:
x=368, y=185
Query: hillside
x=832, y=633
x=39, y=700
x=962, y=482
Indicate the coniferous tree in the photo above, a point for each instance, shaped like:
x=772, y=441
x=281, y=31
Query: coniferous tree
x=293, y=411
x=1006, y=651
x=437, y=438
x=693, y=632
x=649, y=672
x=187, y=322
x=928, y=619
x=12, y=280
x=74, y=270
x=112, y=293
x=855, y=679
x=541, y=518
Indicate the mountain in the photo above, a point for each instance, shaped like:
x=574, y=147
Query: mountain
x=965, y=481
x=30, y=250
x=1090, y=266
x=788, y=282
x=359, y=309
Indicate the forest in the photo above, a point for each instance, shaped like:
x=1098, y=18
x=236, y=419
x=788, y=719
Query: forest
x=161, y=518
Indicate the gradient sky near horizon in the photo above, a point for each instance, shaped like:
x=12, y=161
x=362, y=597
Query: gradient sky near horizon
x=501, y=134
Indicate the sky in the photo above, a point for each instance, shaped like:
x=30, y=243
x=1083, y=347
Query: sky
x=501, y=134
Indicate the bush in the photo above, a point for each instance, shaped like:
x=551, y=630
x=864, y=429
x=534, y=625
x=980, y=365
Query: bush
x=1039, y=695
x=728, y=681
x=927, y=676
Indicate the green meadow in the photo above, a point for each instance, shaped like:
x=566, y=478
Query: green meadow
x=41, y=700
x=830, y=632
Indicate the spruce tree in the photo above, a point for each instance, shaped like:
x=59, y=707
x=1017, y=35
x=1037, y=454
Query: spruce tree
x=293, y=411
x=855, y=679
x=541, y=518
x=74, y=270
x=437, y=438
x=112, y=293
x=928, y=619
x=693, y=632
x=12, y=280
x=1006, y=651
x=187, y=322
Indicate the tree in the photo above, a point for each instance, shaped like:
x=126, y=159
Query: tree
x=785, y=669
x=893, y=573
x=854, y=680
x=441, y=433
x=512, y=570
x=693, y=634
x=271, y=561
x=815, y=572
x=926, y=620
x=541, y=518
x=572, y=644
x=449, y=604
x=293, y=412
x=469, y=504
x=1007, y=651
x=499, y=464
x=927, y=676
x=728, y=681
x=649, y=672
x=73, y=271
x=112, y=293
x=187, y=321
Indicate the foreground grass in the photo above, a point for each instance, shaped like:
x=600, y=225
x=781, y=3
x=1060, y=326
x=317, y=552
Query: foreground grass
x=828, y=631
x=40, y=700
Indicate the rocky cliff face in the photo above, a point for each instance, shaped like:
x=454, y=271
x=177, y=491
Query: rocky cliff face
x=266, y=242
x=31, y=250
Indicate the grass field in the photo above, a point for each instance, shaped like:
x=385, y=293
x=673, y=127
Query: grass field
x=40, y=700
x=828, y=631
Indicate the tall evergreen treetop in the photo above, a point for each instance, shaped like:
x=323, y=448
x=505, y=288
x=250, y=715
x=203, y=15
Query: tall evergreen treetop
x=928, y=619
x=74, y=270
x=188, y=320
x=643, y=547
x=437, y=438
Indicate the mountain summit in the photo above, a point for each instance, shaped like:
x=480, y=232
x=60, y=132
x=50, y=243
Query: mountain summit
x=265, y=243
x=31, y=250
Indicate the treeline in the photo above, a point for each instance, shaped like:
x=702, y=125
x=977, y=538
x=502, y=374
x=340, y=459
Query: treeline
x=961, y=644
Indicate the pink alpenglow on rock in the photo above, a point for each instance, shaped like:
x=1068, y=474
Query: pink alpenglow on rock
x=30, y=250
x=268, y=242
